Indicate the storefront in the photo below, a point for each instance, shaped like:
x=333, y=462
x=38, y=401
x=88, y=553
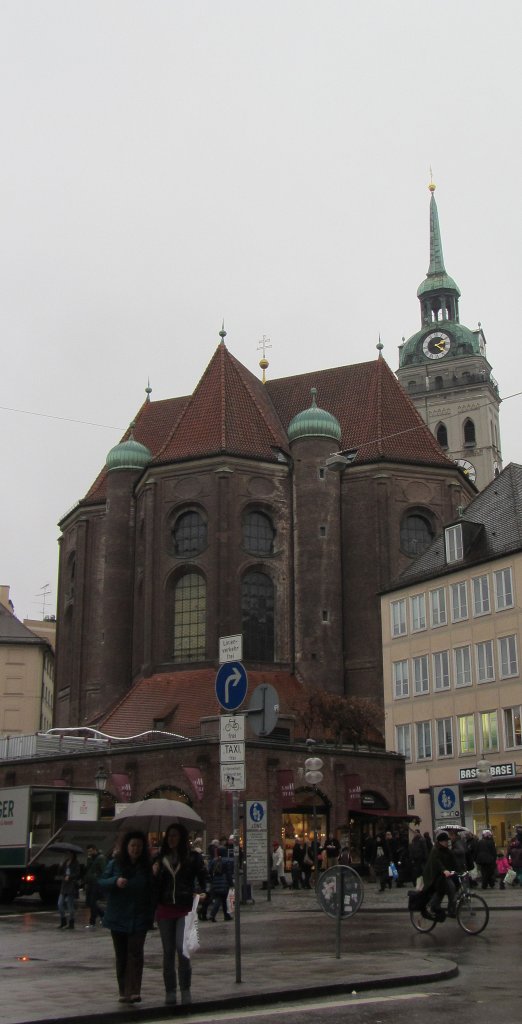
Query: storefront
x=496, y=804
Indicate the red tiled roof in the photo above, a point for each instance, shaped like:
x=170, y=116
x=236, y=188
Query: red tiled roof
x=232, y=412
x=182, y=698
x=375, y=414
x=153, y=423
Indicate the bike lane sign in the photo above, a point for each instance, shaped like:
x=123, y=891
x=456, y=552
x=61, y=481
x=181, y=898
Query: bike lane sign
x=446, y=805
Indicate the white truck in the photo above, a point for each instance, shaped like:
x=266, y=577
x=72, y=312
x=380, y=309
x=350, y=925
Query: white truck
x=32, y=818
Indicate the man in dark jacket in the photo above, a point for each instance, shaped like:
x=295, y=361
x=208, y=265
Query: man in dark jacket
x=418, y=855
x=94, y=868
x=438, y=876
x=486, y=858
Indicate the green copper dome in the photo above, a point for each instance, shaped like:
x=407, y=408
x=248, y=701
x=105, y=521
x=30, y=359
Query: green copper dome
x=436, y=283
x=314, y=422
x=128, y=454
x=460, y=342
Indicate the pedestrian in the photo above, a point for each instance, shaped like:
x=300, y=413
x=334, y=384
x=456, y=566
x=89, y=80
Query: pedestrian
x=332, y=849
x=178, y=872
x=221, y=881
x=502, y=867
x=418, y=854
x=69, y=878
x=487, y=858
x=278, y=865
x=515, y=855
x=381, y=864
x=94, y=867
x=127, y=880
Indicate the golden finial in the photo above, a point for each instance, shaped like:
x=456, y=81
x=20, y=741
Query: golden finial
x=432, y=186
x=263, y=362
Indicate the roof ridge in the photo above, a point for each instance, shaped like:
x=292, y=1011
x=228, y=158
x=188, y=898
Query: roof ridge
x=249, y=385
x=222, y=351
x=380, y=371
x=184, y=411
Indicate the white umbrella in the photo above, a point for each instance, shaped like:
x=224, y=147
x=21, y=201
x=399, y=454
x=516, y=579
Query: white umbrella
x=156, y=814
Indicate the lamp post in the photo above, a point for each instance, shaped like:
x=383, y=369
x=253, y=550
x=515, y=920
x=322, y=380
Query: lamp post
x=484, y=774
x=314, y=775
x=101, y=778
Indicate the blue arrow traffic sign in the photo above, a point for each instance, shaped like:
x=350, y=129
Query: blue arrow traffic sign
x=231, y=685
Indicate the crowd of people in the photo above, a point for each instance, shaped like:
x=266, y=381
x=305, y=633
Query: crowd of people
x=138, y=888
x=399, y=858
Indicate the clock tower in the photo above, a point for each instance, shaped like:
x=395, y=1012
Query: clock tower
x=444, y=370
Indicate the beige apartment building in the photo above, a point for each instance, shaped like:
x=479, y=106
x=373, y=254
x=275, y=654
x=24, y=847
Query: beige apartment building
x=452, y=662
x=26, y=675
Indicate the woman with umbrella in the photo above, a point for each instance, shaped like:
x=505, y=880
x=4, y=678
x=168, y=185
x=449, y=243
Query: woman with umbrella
x=177, y=872
x=127, y=880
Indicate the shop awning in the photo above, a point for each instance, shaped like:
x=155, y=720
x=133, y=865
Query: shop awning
x=493, y=794
x=376, y=812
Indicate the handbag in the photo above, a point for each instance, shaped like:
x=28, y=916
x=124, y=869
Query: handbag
x=231, y=901
x=510, y=876
x=392, y=871
x=191, y=934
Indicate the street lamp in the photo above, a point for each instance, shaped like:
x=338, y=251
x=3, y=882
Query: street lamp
x=483, y=772
x=101, y=778
x=314, y=776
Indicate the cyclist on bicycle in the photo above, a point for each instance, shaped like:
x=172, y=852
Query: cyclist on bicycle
x=439, y=878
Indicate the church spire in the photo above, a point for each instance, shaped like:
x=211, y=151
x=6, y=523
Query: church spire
x=436, y=256
x=438, y=293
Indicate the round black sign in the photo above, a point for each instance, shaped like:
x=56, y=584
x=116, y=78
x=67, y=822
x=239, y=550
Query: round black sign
x=343, y=884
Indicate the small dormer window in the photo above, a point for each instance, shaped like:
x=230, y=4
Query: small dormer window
x=454, y=544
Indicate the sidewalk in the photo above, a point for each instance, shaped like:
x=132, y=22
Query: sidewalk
x=69, y=976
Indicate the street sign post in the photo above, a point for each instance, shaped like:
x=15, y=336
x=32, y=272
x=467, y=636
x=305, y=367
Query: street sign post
x=232, y=776
x=231, y=728
x=230, y=648
x=340, y=894
x=263, y=710
x=231, y=685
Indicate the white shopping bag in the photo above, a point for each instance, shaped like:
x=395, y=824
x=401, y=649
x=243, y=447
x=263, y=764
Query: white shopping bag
x=191, y=934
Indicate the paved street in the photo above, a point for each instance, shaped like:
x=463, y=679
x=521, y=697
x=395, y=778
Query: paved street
x=288, y=951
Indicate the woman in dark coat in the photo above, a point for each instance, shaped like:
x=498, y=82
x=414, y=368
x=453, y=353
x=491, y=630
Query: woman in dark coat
x=177, y=872
x=70, y=877
x=127, y=880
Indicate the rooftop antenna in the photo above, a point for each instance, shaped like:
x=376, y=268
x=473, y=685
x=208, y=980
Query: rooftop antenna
x=45, y=593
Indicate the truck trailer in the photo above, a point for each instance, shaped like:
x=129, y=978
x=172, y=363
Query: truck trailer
x=31, y=819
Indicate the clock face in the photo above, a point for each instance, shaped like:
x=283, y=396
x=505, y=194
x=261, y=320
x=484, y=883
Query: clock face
x=436, y=345
x=468, y=469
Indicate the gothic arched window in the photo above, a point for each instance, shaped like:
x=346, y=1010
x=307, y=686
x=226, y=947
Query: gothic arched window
x=257, y=616
x=258, y=533
x=190, y=614
x=442, y=435
x=469, y=434
x=189, y=534
x=416, y=533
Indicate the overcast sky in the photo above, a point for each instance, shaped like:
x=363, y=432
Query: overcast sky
x=168, y=163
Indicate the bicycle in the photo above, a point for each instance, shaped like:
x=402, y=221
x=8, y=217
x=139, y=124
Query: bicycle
x=472, y=911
